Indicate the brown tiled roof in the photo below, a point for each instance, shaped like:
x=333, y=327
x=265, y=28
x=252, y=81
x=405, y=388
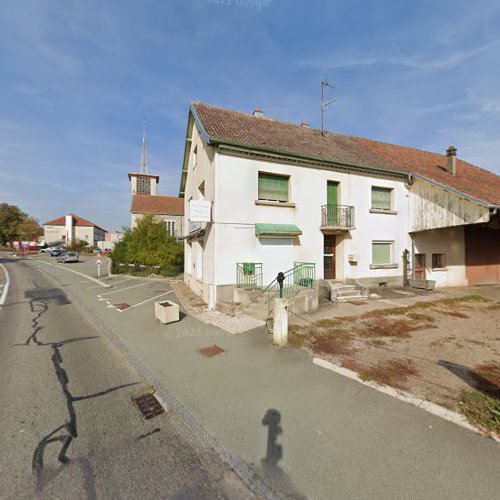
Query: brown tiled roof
x=226, y=126
x=77, y=221
x=152, y=204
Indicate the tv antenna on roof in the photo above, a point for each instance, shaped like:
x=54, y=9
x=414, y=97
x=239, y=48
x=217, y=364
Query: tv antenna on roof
x=325, y=104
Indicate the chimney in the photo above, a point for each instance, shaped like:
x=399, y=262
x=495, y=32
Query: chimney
x=451, y=153
x=305, y=124
x=258, y=113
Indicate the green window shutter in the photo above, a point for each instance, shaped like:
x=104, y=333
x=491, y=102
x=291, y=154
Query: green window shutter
x=381, y=253
x=273, y=187
x=381, y=198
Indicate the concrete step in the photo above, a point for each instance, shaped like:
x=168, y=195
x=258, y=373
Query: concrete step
x=349, y=298
x=347, y=291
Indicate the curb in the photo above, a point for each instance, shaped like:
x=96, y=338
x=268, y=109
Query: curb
x=434, y=409
x=240, y=467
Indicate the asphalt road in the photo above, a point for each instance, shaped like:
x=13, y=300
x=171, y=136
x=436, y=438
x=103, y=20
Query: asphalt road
x=69, y=426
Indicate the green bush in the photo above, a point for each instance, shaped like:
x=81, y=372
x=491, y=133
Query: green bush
x=150, y=246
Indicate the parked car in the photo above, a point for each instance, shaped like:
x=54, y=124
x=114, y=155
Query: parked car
x=57, y=251
x=97, y=250
x=66, y=257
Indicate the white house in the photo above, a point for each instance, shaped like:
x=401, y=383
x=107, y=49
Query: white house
x=72, y=228
x=282, y=194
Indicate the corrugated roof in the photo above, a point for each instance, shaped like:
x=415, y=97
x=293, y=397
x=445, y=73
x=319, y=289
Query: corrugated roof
x=77, y=221
x=152, y=204
x=234, y=127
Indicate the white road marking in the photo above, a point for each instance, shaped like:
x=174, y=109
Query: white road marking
x=111, y=283
x=6, y=286
x=144, y=301
x=79, y=274
x=122, y=289
x=435, y=409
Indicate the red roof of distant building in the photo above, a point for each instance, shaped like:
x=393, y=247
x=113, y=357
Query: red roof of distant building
x=77, y=221
x=152, y=204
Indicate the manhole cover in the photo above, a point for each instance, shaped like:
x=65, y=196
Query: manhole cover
x=211, y=351
x=122, y=306
x=149, y=406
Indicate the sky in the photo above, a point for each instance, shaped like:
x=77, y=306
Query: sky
x=78, y=77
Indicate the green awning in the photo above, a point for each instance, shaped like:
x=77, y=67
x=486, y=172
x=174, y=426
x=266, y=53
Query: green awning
x=277, y=230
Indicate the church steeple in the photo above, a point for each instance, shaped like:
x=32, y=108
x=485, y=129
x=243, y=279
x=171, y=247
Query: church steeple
x=143, y=182
x=144, y=155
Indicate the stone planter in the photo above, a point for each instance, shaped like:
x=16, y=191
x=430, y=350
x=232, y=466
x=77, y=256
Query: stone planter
x=166, y=311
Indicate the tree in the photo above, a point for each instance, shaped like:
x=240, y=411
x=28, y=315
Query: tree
x=16, y=225
x=149, y=244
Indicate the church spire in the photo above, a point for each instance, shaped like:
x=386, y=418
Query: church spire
x=144, y=156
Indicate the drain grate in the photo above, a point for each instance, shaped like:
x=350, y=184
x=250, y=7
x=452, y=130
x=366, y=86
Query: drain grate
x=211, y=351
x=149, y=406
x=122, y=306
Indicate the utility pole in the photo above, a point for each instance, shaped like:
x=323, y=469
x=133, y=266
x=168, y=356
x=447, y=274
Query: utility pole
x=324, y=104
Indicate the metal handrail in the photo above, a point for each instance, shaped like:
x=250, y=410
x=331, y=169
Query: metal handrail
x=301, y=276
x=249, y=275
x=337, y=216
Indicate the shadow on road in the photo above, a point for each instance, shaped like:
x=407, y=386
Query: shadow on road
x=273, y=473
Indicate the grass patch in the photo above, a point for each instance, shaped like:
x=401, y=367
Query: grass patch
x=421, y=317
x=394, y=372
x=388, y=327
x=333, y=344
x=455, y=314
x=493, y=307
x=327, y=323
x=491, y=373
x=465, y=299
x=481, y=410
x=297, y=336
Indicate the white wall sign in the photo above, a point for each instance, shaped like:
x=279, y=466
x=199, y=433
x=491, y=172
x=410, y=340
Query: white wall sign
x=199, y=210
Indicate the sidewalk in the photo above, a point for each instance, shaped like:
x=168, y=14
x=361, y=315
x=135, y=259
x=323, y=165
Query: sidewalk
x=307, y=431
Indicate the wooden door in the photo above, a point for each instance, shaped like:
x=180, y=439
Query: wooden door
x=329, y=256
x=420, y=266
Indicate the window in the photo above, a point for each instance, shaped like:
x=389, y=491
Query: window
x=170, y=227
x=382, y=253
x=273, y=187
x=438, y=260
x=381, y=198
x=143, y=185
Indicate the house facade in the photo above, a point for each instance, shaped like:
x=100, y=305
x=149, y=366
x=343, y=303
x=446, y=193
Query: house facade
x=72, y=228
x=282, y=194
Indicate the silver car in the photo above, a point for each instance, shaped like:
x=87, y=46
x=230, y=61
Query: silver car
x=68, y=257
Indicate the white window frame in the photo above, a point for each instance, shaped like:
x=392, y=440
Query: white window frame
x=388, y=265
x=389, y=210
x=171, y=227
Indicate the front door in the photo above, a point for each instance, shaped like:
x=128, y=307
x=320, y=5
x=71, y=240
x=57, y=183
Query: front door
x=420, y=266
x=329, y=256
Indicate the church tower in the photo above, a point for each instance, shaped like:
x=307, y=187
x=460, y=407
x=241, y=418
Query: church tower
x=143, y=183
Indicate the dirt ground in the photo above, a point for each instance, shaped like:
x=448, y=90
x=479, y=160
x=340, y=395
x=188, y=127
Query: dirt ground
x=444, y=350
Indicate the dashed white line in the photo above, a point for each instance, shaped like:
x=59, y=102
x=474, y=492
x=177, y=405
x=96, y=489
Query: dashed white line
x=144, y=301
x=104, y=285
x=122, y=289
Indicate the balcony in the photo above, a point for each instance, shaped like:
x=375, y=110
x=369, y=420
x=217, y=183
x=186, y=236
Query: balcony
x=337, y=218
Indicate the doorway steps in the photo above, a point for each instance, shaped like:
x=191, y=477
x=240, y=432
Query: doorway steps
x=341, y=291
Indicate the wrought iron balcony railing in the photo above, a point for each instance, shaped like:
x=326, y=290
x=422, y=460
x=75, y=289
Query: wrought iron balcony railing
x=337, y=217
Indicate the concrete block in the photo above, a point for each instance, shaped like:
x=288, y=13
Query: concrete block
x=166, y=311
